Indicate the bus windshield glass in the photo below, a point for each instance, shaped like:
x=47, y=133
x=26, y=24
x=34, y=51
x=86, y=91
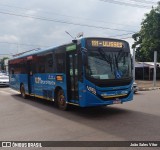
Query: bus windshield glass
x=108, y=63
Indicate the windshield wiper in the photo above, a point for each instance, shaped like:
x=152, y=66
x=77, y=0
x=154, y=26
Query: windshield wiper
x=118, y=57
x=105, y=57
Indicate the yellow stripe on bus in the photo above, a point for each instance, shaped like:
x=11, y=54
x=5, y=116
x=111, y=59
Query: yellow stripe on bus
x=114, y=96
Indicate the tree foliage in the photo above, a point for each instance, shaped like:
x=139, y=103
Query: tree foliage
x=2, y=62
x=147, y=40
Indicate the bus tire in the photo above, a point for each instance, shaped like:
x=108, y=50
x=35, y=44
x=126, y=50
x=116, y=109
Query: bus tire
x=61, y=100
x=23, y=93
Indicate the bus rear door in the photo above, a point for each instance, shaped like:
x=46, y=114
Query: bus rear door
x=30, y=77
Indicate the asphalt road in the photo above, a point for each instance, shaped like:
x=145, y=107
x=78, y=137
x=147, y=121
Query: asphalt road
x=38, y=120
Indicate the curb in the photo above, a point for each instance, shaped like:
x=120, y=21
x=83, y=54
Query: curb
x=149, y=88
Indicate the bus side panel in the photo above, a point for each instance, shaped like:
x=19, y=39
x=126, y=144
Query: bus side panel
x=13, y=81
x=62, y=84
x=82, y=94
x=23, y=79
x=38, y=86
x=17, y=79
x=45, y=84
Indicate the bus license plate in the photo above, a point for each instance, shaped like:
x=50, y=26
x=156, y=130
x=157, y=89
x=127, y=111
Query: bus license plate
x=117, y=102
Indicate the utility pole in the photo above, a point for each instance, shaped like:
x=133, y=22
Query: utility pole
x=17, y=48
x=133, y=65
x=0, y=64
x=155, y=67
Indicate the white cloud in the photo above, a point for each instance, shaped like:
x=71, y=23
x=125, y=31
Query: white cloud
x=39, y=32
x=9, y=38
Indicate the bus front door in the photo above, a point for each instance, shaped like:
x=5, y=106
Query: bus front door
x=30, y=78
x=72, y=75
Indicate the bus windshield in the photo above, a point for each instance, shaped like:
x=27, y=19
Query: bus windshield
x=106, y=63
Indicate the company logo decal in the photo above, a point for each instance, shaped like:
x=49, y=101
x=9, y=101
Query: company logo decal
x=38, y=80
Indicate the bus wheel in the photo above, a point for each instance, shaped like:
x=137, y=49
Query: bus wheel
x=61, y=101
x=23, y=94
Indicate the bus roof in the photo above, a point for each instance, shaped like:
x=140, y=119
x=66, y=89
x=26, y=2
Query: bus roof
x=34, y=52
x=39, y=50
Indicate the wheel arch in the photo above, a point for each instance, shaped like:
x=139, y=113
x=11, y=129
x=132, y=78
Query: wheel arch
x=56, y=91
x=60, y=103
x=21, y=85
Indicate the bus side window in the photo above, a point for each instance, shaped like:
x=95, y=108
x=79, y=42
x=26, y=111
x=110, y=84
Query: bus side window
x=12, y=71
x=40, y=64
x=41, y=69
x=49, y=63
x=54, y=63
x=60, y=61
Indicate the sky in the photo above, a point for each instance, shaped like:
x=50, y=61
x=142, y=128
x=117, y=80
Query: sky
x=30, y=24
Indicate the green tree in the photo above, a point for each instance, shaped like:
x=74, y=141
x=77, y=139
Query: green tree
x=147, y=40
x=2, y=62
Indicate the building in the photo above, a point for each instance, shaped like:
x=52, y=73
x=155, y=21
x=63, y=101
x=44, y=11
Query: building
x=144, y=70
x=6, y=65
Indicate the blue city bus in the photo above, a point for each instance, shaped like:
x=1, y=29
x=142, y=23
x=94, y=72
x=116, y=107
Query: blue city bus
x=86, y=72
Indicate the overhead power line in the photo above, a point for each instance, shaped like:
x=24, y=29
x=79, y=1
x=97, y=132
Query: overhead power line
x=5, y=54
x=126, y=38
x=53, y=13
x=144, y=1
x=114, y=36
x=64, y=22
x=24, y=44
x=126, y=4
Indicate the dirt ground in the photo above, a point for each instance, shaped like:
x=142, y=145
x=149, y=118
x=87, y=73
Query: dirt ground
x=146, y=83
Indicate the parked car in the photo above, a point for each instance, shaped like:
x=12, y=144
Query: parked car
x=4, y=79
x=135, y=87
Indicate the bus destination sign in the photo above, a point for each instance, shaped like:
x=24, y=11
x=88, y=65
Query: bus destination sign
x=105, y=43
